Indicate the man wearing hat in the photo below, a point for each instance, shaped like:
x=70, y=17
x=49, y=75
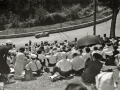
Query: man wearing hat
x=34, y=65
x=4, y=68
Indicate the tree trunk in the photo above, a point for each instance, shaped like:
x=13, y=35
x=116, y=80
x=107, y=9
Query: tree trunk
x=113, y=23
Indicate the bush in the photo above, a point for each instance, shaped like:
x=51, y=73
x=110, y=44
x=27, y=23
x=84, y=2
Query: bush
x=47, y=20
x=18, y=31
x=40, y=13
x=72, y=12
x=3, y=22
x=59, y=17
x=27, y=24
x=15, y=22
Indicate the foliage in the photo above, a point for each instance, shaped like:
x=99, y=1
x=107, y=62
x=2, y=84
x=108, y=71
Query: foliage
x=40, y=14
x=3, y=21
x=15, y=22
x=110, y=3
x=72, y=12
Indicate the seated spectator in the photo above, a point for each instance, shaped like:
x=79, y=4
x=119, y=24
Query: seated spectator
x=75, y=84
x=95, y=50
x=115, y=52
x=34, y=65
x=46, y=47
x=51, y=59
x=69, y=54
x=21, y=60
x=13, y=55
x=92, y=68
x=110, y=60
x=86, y=55
x=41, y=57
x=107, y=48
x=63, y=67
x=58, y=55
x=78, y=63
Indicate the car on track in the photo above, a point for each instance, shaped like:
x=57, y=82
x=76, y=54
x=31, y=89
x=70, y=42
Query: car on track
x=42, y=34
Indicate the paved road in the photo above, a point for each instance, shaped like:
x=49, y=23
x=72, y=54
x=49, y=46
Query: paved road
x=103, y=28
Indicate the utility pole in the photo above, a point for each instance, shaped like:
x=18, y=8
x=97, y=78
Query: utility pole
x=94, y=28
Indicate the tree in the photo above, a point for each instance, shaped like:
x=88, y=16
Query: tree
x=114, y=5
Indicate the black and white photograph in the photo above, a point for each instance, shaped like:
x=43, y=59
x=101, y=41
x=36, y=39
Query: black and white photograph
x=59, y=44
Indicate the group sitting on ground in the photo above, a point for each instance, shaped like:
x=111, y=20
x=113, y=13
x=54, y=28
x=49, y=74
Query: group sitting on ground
x=66, y=60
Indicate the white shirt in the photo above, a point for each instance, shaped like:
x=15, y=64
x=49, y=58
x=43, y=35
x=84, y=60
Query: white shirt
x=78, y=63
x=34, y=66
x=64, y=65
x=42, y=57
x=52, y=59
x=96, y=51
x=86, y=56
x=69, y=55
x=105, y=50
x=58, y=56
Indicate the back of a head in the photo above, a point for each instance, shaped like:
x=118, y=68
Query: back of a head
x=87, y=49
x=76, y=84
x=39, y=51
x=115, y=47
x=97, y=56
x=108, y=44
x=95, y=48
x=22, y=49
x=74, y=55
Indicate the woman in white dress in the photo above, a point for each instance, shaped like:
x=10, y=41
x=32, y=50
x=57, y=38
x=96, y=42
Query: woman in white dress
x=20, y=63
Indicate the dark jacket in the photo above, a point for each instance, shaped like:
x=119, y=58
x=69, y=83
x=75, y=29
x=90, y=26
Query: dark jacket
x=92, y=68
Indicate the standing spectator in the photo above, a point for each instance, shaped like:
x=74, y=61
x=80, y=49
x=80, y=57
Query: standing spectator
x=20, y=63
x=4, y=68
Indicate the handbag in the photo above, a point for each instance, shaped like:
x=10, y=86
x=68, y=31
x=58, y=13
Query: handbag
x=28, y=75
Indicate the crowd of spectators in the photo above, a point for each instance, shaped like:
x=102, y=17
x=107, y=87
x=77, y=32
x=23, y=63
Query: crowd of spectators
x=65, y=59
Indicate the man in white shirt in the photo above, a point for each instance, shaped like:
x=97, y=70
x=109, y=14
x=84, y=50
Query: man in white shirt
x=106, y=49
x=41, y=57
x=69, y=54
x=63, y=67
x=78, y=63
x=95, y=50
x=51, y=59
x=58, y=55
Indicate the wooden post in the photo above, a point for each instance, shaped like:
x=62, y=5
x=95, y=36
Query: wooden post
x=94, y=28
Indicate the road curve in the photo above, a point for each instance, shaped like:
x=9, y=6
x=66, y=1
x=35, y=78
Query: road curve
x=103, y=28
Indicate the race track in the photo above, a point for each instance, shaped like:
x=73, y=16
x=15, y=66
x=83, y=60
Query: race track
x=103, y=28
